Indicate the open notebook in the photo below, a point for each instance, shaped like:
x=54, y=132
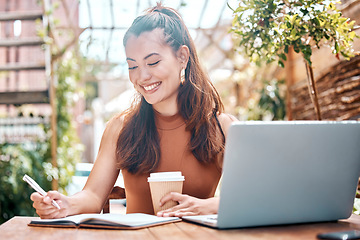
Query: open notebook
x=105, y=221
x=287, y=172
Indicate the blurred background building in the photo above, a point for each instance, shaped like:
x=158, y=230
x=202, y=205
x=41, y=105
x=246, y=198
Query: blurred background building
x=95, y=30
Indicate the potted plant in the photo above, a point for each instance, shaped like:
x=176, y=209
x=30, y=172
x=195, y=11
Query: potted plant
x=268, y=29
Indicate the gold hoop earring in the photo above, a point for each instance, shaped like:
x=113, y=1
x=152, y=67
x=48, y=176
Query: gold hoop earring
x=182, y=76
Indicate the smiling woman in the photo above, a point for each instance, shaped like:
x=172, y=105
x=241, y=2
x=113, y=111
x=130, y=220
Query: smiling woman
x=154, y=69
x=177, y=112
x=176, y=124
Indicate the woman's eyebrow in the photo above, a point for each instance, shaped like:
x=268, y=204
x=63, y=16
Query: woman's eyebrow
x=130, y=59
x=151, y=54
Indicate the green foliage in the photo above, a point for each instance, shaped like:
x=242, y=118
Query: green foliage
x=69, y=147
x=15, y=161
x=266, y=29
x=270, y=105
x=34, y=158
x=356, y=208
x=272, y=101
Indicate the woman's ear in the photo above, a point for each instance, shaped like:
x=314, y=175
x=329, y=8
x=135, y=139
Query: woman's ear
x=183, y=55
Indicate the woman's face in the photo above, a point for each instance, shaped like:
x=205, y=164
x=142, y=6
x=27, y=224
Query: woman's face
x=154, y=68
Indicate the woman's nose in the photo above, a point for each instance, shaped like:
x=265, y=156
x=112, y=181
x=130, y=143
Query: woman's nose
x=144, y=74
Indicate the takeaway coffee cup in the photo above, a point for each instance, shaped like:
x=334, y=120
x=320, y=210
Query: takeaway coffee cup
x=162, y=183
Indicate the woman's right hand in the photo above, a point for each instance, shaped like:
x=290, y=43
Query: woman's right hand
x=44, y=207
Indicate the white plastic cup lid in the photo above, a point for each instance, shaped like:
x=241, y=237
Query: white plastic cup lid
x=165, y=176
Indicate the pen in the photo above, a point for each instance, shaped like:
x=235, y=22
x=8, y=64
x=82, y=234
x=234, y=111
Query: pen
x=37, y=188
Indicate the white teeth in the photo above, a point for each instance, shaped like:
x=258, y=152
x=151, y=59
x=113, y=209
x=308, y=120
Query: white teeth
x=152, y=86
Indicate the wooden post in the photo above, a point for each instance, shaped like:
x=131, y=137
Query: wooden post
x=313, y=90
x=49, y=63
x=289, y=82
x=53, y=122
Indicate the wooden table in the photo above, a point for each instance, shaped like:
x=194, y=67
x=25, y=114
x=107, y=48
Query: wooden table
x=16, y=228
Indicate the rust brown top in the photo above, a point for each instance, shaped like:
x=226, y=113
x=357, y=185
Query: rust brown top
x=200, y=180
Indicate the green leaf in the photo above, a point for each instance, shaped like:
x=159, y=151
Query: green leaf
x=283, y=56
x=286, y=49
x=281, y=63
x=345, y=55
x=317, y=22
x=352, y=35
x=332, y=6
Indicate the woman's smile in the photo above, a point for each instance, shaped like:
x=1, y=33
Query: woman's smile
x=151, y=86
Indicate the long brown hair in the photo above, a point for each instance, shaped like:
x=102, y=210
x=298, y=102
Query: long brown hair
x=138, y=145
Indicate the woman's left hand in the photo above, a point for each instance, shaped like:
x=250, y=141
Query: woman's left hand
x=188, y=206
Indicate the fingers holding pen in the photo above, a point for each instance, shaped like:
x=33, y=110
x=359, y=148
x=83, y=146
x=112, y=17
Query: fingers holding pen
x=43, y=201
x=44, y=205
x=52, y=196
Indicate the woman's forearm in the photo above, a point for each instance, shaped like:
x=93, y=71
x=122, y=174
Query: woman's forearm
x=84, y=202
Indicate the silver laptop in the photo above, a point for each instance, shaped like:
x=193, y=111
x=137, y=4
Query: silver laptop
x=287, y=172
